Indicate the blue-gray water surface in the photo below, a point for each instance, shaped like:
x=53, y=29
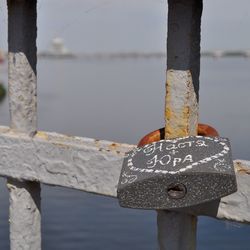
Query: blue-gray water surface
x=122, y=100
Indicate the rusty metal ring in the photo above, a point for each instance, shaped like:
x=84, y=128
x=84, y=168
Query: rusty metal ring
x=157, y=135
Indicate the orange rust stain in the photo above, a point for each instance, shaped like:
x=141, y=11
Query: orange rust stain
x=168, y=113
x=186, y=117
x=69, y=137
x=42, y=135
x=241, y=169
x=169, y=131
x=114, y=146
x=181, y=129
x=157, y=135
x=174, y=132
x=206, y=130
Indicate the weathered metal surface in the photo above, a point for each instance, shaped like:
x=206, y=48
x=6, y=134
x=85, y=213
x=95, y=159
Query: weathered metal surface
x=22, y=65
x=181, y=111
x=184, y=36
x=177, y=173
x=25, y=217
x=181, y=114
x=99, y=172
x=81, y=163
x=159, y=134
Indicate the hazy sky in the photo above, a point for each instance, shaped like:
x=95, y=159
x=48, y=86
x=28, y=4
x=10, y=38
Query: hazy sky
x=132, y=25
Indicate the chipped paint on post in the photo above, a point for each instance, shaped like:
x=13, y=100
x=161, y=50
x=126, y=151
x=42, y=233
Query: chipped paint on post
x=181, y=112
x=25, y=217
x=184, y=35
x=22, y=59
x=22, y=90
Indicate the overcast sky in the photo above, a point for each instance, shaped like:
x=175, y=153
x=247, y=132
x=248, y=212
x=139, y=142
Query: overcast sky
x=132, y=25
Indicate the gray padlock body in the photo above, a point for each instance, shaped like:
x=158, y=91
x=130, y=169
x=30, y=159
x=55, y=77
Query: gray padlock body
x=203, y=165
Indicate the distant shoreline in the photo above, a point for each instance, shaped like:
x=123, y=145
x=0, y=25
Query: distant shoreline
x=127, y=55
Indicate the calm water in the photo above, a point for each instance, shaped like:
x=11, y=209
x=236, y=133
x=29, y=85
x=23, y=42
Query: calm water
x=122, y=100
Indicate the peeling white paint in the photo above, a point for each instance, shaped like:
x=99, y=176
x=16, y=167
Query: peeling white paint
x=25, y=215
x=181, y=105
x=22, y=93
x=236, y=207
x=24, y=219
x=51, y=158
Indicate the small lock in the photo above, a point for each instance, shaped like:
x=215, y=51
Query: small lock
x=177, y=173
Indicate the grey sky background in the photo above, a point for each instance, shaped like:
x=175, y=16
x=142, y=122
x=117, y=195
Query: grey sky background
x=131, y=25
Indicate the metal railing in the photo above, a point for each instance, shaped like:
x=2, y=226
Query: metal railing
x=30, y=157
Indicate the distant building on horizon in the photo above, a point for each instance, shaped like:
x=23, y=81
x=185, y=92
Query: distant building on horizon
x=58, y=47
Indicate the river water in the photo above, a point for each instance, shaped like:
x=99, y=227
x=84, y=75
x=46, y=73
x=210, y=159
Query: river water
x=122, y=100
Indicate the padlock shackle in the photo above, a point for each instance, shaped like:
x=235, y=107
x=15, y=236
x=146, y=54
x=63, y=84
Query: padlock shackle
x=157, y=135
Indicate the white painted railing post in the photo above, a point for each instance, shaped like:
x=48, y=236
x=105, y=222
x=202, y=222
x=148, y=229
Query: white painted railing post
x=25, y=216
x=177, y=231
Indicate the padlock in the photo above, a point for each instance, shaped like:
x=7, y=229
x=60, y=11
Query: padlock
x=177, y=173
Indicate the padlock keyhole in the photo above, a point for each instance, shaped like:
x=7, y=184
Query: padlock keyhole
x=176, y=191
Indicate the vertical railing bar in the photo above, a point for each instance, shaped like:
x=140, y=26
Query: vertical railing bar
x=25, y=216
x=177, y=231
